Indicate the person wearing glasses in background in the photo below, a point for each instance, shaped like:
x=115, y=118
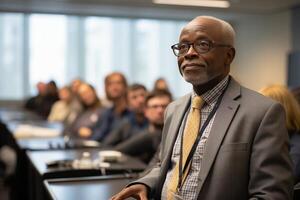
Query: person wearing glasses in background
x=144, y=144
x=221, y=141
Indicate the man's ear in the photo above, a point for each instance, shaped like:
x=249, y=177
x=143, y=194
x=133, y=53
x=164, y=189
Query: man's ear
x=230, y=55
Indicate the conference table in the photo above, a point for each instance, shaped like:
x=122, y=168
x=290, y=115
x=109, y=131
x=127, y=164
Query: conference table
x=58, y=164
x=55, y=143
x=91, y=188
x=53, y=164
x=50, y=160
x=17, y=114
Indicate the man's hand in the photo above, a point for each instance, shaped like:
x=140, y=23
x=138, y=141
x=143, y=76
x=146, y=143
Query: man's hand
x=137, y=191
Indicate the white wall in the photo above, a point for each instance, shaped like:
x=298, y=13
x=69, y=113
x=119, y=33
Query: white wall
x=263, y=43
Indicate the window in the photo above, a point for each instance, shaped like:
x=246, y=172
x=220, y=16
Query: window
x=11, y=56
x=42, y=47
x=139, y=48
x=47, y=44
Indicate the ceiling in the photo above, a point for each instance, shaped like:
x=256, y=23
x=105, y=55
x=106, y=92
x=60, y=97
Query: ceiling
x=236, y=5
x=93, y=6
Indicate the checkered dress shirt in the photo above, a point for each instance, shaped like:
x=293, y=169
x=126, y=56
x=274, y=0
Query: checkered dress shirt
x=189, y=188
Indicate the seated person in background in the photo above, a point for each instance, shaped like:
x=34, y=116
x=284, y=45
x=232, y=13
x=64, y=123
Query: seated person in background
x=161, y=84
x=296, y=93
x=144, y=145
x=52, y=94
x=282, y=95
x=75, y=85
x=136, y=121
x=115, y=88
x=86, y=121
x=43, y=101
x=8, y=160
x=35, y=103
x=66, y=109
x=31, y=103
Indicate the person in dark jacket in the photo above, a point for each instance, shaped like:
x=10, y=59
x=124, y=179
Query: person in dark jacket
x=144, y=144
x=41, y=104
x=8, y=160
x=136, y=122
x=115, y=89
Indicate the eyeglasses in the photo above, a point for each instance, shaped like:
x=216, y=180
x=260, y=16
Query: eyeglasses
x=200, y=46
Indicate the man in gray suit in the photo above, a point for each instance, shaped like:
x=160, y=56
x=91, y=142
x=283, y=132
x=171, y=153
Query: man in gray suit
x=241, y=151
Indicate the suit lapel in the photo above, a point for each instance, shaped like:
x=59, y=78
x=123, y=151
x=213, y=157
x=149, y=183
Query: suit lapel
x=177, y=118
x=224, y=116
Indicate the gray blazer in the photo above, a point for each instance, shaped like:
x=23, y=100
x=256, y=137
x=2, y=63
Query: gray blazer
x=246, y=155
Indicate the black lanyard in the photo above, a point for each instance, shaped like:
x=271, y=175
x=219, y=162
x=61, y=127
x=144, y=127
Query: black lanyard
x=194, y=147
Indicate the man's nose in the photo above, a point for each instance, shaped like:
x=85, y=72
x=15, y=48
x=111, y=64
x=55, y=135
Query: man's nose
x=191, y=52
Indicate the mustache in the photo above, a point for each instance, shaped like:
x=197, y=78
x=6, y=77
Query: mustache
x=193, y=64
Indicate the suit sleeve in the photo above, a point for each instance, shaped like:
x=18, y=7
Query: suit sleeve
x=151, y=177
x=270, y=165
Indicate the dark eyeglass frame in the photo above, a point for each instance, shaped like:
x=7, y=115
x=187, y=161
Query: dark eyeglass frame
x=210, y=45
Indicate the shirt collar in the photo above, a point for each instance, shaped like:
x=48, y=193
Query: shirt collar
x=212, y=95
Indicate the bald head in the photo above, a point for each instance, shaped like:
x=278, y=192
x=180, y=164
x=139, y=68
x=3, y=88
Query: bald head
x=205, y=52
x=221, y=27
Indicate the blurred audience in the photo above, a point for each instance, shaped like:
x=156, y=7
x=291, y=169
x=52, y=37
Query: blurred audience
x=282, y=95
x=8, y=161
x=52, y=91
x=161, y=84
x=296, y=93
x=43, y=101
x=85, y=123
x=75, y=85
x=34, y=102
x=136, y=120
x=66, y=109
x=144, y=144
x=80, y=110
x=115, y=88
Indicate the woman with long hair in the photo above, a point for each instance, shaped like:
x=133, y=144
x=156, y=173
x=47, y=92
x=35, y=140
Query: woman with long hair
x=282, y=95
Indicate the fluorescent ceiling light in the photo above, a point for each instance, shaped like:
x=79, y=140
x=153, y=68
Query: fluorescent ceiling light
x=203, y=3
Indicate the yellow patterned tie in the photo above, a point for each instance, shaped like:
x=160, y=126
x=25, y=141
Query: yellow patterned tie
x=189, y=136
